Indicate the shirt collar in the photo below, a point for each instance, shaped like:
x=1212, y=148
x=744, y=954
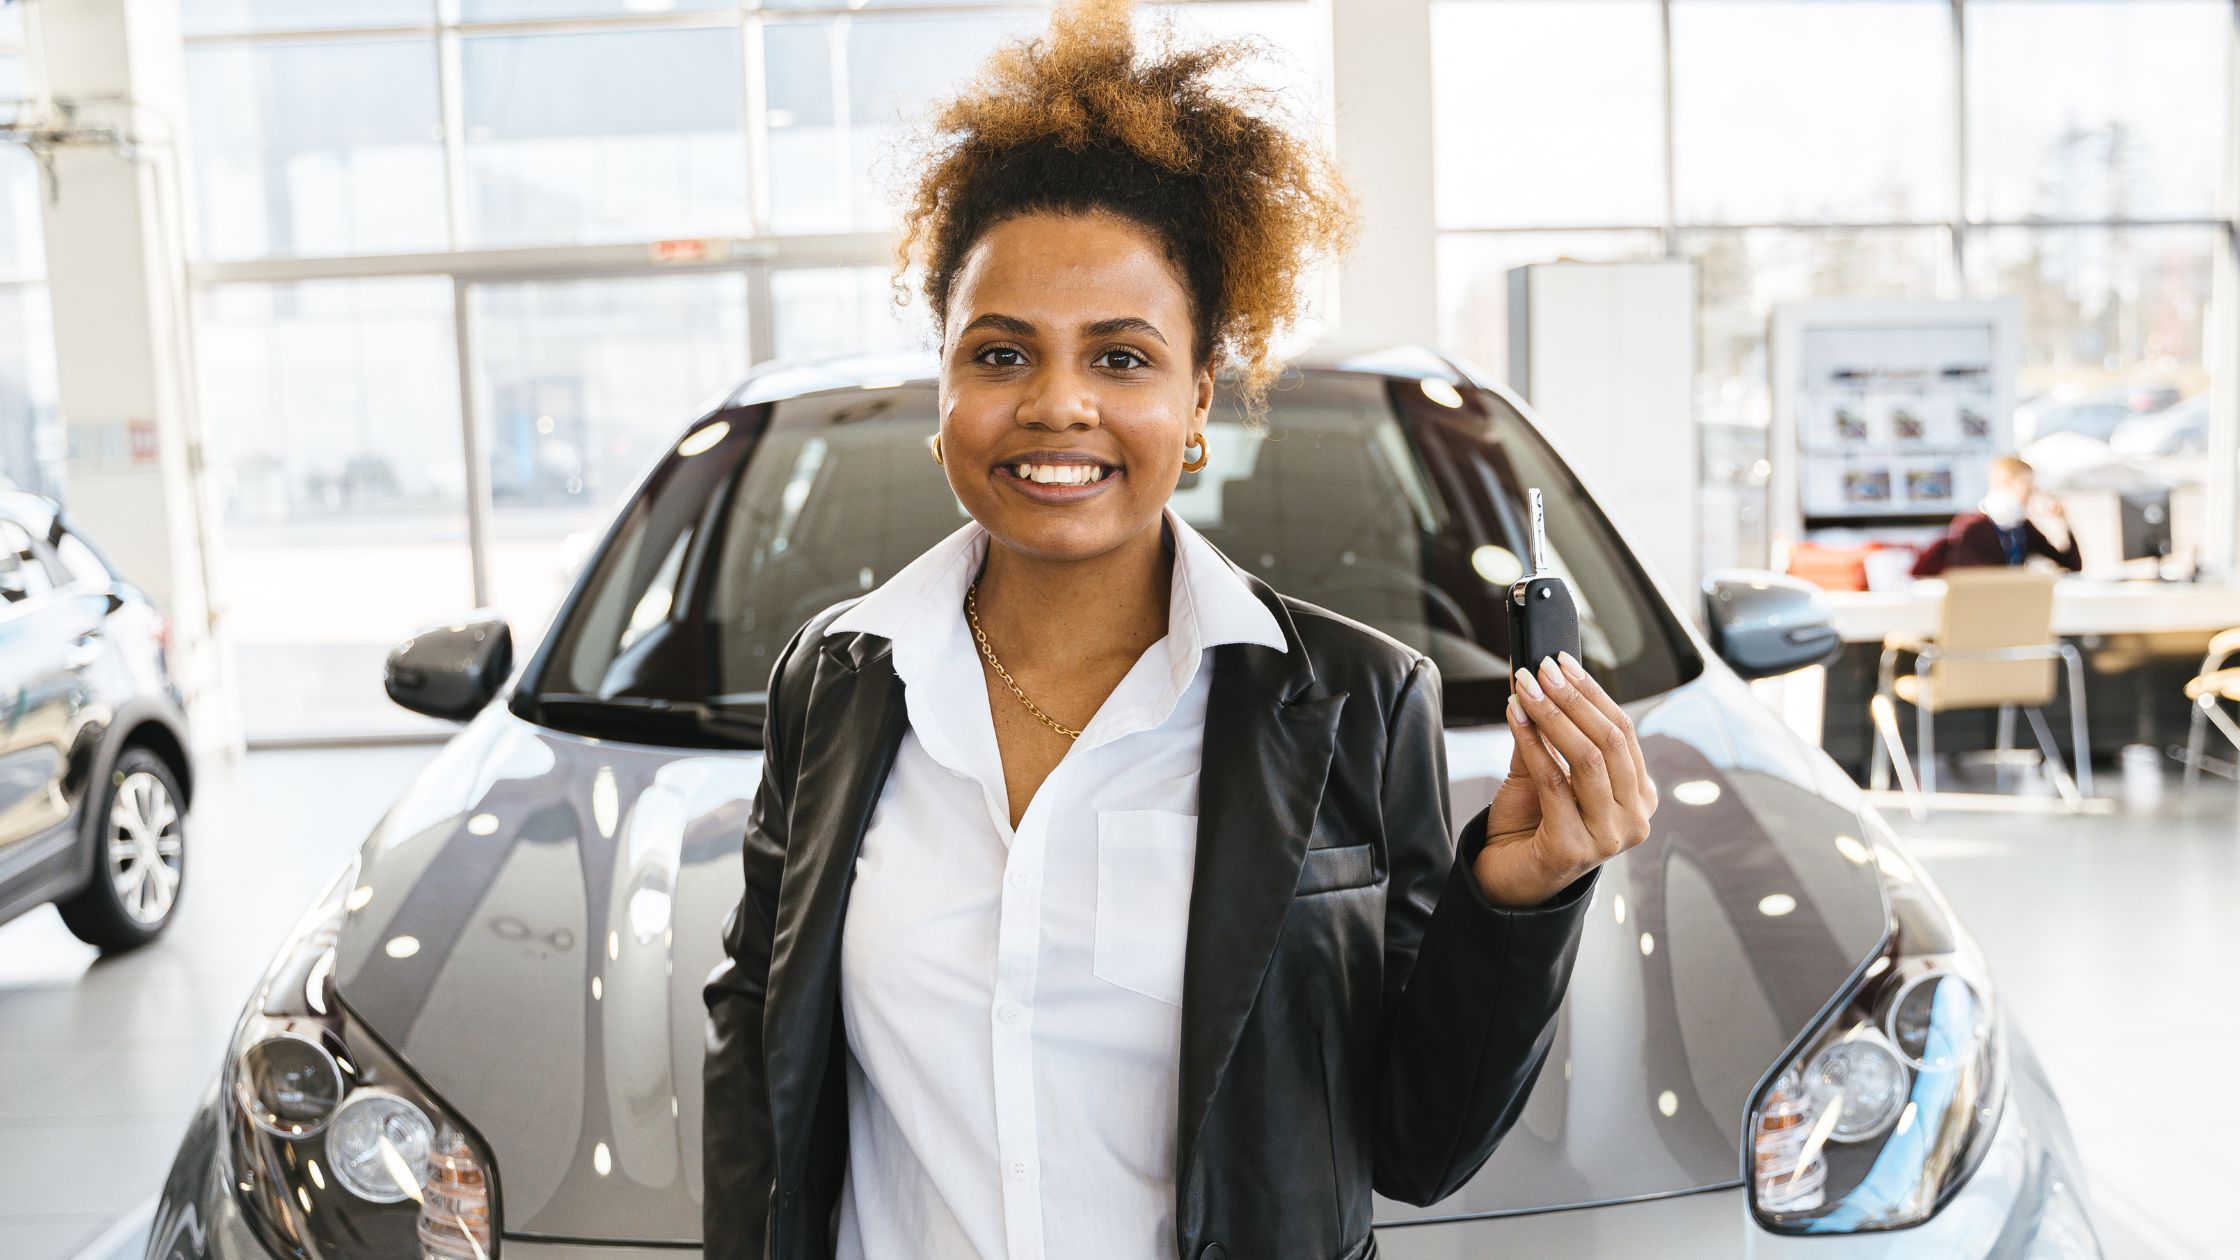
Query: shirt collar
x=1209, y=602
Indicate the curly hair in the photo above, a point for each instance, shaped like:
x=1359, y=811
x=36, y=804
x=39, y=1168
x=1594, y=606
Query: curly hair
x=1074, y=121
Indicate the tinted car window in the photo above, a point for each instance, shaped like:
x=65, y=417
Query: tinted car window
x=1365, y=495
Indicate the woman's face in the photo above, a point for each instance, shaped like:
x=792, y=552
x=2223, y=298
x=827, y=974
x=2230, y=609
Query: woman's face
x=1068, y=340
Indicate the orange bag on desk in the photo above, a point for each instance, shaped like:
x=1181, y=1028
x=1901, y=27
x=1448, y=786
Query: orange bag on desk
x=1832, y=568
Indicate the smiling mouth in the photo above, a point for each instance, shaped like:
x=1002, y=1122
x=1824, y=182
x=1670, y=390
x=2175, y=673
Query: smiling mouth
x=1060, y=474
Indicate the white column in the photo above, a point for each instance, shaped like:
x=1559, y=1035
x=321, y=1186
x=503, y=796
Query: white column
x=116, y=270
x=1380, y=82
x=1623, y=432
x=2223, y=341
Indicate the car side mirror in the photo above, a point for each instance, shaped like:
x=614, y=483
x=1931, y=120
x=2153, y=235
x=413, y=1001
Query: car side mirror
x=1763, y=624
x=451, y=670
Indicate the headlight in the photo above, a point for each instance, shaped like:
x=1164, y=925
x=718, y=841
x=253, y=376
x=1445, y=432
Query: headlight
x=379, y=1147
x=287, y=1085
x=1891, y=1102
x=1859, y=1084
x=334, y=1148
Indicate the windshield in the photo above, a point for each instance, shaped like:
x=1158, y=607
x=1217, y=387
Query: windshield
x=1366, y=495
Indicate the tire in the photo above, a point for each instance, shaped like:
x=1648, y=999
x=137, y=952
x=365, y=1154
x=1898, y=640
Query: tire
x=139, y=834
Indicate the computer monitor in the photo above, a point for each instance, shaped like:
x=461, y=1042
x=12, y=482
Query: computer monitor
x=2146, y=524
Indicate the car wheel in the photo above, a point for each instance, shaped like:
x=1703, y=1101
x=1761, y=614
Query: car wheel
x=140, y=856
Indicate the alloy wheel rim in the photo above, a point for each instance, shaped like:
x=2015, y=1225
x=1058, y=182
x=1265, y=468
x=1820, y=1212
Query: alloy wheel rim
x=145, y=844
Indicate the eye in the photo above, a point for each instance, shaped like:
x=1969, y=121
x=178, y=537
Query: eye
x=1017, y=360
x=1134, y=360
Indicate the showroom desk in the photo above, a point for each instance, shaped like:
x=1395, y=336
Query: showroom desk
x=2081, y=606
x=2141, y=641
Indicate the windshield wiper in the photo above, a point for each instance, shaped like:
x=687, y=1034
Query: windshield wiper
x=652, y=719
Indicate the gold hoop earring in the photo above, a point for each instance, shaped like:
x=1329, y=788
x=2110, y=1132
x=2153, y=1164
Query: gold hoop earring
x=936, y=448
x=1204, y=453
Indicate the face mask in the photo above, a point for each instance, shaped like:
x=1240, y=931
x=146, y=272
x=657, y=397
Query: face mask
x=2004, y=509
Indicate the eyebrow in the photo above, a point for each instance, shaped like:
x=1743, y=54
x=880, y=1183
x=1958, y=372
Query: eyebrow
x=1017, y=327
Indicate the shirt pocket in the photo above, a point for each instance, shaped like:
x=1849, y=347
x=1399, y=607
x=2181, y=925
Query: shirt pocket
x=1146, y=861
x=1337, y=868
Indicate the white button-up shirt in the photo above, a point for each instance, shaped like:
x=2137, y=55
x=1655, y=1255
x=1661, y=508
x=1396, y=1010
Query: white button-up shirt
x=1013, y=999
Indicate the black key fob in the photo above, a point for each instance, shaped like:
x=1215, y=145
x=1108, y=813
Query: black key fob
x=1542, y=619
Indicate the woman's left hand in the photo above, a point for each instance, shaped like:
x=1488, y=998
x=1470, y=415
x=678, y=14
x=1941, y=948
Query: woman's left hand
x=1548, y=827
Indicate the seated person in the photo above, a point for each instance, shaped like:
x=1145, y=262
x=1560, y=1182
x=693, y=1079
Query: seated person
x=2002, y=532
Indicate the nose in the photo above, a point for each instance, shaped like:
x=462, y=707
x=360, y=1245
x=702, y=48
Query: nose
x=1058, y=397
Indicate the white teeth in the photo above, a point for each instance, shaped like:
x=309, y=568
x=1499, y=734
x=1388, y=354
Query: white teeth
x=1059, y=474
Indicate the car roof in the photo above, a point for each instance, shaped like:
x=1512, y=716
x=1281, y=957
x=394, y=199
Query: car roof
x=790, y=378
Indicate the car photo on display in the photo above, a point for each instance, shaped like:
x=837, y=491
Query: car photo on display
x=485, y=1038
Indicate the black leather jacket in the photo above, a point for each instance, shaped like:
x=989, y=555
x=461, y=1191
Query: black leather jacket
x=1356, y=1013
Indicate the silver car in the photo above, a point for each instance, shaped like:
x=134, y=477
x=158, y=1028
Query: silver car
x=486, y=1037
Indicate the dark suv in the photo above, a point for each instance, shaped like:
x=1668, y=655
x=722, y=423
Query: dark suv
x=94, y=770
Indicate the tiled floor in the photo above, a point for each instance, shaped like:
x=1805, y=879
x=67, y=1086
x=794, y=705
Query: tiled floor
x=2112, y=938
x=101, y=1062
x=2115, y=941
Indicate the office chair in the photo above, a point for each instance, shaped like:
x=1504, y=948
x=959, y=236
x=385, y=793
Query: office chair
x=2214, y=682
x=1994, y=647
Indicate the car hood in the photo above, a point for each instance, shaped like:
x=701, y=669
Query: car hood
x=536, y=916
x=539, y=912
x=1709, y=952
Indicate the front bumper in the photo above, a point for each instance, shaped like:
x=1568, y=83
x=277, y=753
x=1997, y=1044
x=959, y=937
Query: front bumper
x=2025, y=1202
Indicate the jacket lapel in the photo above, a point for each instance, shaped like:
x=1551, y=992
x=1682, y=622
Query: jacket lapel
x=1269, y=736
x=1270, y=733
x=853, y=728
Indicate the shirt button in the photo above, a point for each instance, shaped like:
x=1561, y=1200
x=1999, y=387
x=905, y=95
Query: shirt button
x=1008, y=1012
x=1020, y=879
x=1018, y=1168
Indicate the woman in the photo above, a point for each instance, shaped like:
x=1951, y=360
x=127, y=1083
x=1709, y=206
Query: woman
x=1099, y=898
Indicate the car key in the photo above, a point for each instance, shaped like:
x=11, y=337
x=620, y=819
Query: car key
x=1542, y=619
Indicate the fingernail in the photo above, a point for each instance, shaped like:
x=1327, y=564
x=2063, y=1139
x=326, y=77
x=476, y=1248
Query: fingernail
x=1571, y=665
x=1552, y=672
x=1531, y=688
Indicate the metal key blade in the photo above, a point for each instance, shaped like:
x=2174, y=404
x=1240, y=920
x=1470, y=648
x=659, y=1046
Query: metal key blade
x=1539, y=532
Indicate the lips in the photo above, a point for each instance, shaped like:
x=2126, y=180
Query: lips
x=1058, y=492
x=1066, y=474
x=1071, y=461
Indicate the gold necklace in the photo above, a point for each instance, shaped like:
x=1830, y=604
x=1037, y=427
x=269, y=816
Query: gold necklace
x=972, y=610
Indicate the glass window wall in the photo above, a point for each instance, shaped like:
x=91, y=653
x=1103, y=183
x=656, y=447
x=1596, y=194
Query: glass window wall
x=489, y=138
x=2094, y=134
x=1832, y=112
x=327, y=406
x=31, y=453
x=1500, y=72
x=578, y=385
x=605, y=136
x=2099, y=109
x=318, y=148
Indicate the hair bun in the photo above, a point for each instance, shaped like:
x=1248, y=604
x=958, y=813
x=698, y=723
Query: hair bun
x=1079, y=119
